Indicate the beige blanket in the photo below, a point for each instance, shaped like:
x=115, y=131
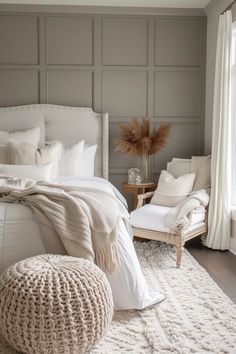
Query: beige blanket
x=178, y=216
x=87, y=219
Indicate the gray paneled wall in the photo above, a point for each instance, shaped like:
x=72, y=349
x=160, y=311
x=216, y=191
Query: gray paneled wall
x=124, y=65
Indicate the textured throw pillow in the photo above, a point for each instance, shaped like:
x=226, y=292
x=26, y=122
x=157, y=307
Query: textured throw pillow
x=178, y=167
x=50, y=153
x=68, y=164
x=37, y=172
x=17, y=120
x=77, y=160
x=21, y=154
x=86, y=161
x=29, y=136
x=171, y=190
x=201, y=166
x=27, y=154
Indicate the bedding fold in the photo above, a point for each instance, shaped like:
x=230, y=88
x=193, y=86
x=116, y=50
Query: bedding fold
x=88, y=217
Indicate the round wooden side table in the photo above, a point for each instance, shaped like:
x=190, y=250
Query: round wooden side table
x=136, y=189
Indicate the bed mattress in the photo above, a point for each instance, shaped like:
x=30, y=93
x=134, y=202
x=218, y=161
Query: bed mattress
x=21, y=236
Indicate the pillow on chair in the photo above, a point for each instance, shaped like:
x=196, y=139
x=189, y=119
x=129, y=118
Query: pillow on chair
x=178, y=167
x=201, y=166
x=171, y=190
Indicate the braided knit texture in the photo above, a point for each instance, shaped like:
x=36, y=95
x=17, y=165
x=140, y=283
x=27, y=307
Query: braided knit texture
x=51, y=304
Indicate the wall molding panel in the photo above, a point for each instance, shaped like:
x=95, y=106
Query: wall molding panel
x=125, y=64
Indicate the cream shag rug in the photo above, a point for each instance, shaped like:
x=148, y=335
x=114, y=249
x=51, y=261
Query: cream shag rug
x=196, y=317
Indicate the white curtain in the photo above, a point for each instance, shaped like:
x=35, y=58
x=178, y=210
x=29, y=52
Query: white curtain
x=220, y=203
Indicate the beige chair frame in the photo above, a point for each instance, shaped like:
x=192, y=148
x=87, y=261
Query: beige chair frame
x=178, y=239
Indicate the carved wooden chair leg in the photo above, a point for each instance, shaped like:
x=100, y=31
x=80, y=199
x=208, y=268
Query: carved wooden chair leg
x=179, y=252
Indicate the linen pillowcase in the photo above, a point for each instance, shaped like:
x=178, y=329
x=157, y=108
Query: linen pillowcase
x=50, y=153
x=21, y=154
x=86, y=161
x=178, y=167
x=78, y=160
x=171, y=190
x=29, y=136
x=37, y=172
x=27, y=154
x=68, y=163
x=17, y=120
x=201, y=165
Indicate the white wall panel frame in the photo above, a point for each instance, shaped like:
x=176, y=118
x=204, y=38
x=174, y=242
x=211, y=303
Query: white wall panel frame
x=75, y=22
x=120, y=31
x=144, y=91
x=196, y=40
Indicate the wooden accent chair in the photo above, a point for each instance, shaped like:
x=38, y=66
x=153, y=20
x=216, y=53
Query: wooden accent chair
x=176, y=167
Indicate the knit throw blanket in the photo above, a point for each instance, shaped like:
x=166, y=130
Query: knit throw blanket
x=177, y=217
x=87, y=221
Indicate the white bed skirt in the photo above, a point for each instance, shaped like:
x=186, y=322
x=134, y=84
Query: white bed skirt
x=20, y=235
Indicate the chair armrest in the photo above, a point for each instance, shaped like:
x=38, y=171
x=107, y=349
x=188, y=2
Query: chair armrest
x=143, y=197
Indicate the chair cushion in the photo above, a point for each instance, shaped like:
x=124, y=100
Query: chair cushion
x=151, y=217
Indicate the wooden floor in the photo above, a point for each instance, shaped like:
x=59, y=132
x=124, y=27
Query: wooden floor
x=221, y=265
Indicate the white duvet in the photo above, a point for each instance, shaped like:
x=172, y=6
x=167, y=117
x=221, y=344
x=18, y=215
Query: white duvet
x=20, y=237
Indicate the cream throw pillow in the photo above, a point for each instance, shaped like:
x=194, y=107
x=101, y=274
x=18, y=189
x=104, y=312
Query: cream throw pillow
x=68, y=163
x=27, y=154
x=86, y=161
x=37, y=172
x=30, y=136
x=171, y=190
x=21, y=154
x=201, y=166
x=20, y=121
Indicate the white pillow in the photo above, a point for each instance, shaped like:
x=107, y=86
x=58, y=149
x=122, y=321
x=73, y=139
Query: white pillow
x=27, y=154
x=178, y=167
x=68, y=164
x=50, y=153
x=21, y=154
x=201, y=165
x=171, y=190
x=86, y=162
x=15, y=120
x=29, y=136
x=37, y=172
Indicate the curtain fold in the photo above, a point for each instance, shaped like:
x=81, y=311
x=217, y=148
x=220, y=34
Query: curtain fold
x=219, y=220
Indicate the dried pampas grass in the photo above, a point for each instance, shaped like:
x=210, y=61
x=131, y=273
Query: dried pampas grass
x=138, y=139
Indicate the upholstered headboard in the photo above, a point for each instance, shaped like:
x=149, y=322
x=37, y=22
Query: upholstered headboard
x=68, y=125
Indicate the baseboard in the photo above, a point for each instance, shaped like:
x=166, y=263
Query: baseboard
x=233, y=245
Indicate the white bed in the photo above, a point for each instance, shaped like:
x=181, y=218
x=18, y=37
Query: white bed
x=20, y=234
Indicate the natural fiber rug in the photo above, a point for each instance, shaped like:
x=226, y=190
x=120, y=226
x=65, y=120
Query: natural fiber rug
x=196, y=317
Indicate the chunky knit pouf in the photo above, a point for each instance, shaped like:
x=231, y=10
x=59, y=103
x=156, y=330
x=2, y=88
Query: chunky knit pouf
x=53, y=304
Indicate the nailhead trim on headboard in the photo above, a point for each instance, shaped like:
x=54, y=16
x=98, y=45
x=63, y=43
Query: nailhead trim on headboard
x=105, y=126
